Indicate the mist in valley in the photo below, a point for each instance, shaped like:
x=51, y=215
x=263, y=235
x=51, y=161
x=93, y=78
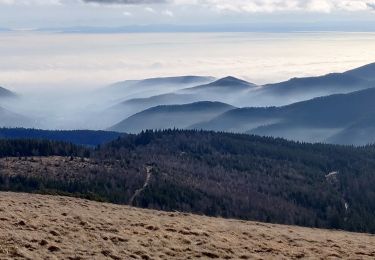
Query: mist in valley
x=87, y=81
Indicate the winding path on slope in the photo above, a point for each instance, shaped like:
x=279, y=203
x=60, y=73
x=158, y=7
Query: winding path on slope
x=147, y=181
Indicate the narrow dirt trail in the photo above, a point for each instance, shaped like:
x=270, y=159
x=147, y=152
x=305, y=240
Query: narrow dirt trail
x=147, y=181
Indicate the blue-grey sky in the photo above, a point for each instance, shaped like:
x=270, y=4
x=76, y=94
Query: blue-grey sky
x=191, y=15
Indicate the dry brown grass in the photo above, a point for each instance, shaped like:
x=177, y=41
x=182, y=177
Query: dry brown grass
x=52, y=227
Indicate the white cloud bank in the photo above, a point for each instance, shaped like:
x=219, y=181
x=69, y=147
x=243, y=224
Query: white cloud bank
x=243, y=6
x=269, y=6
x=32, y=2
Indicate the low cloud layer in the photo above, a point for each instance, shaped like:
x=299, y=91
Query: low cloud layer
x=239, y=6
x=268, y=6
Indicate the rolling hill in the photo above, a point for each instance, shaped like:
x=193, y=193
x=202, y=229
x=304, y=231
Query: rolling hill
x=153, y=86
x=327, y=84
x=165, y=99
x=314, y=120
x=136, y=105
x=362, y=132
x=172, y=116
x=10, y=119
x=300, y=89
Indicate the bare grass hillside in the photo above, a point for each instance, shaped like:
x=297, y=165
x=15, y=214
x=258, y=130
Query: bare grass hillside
x=54, y=227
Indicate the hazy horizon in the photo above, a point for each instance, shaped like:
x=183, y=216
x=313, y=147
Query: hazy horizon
x=58, y=61
x=56, y=54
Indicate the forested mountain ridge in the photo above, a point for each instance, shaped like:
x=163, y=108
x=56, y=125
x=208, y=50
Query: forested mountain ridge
x=216, y=174
x=79, y=137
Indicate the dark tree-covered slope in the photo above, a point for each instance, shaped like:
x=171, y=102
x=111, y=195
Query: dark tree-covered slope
x=79, y=137
x=217, y=174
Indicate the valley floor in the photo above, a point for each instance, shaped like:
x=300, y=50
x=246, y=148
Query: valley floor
x=53, y=227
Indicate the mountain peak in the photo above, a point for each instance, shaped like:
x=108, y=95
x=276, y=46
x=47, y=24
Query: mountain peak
x=228, y=83
x=231, y=81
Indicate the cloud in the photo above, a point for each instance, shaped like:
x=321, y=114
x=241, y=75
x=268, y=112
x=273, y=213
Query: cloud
x=126, y=2
x=150, y=10
x=270, y=6
x=30, y=2
x=168, y=13
x=223, y=6
x=320, y=6
x=371, y=5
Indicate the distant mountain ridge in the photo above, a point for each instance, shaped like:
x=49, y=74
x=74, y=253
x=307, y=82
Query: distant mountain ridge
x=228, y=83
x=164, y=99
x=172, y=116
x=364, y=72
x=11, y=119
x=313, y=109
x=330, y=82
x=207, y=92
x=314, y=120
x=175, y=80
x=151, y=82
x=241, y=93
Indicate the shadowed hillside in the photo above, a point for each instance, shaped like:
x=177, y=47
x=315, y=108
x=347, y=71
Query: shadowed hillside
x=80, y=137
x=172, y=116
x=364, y=72
x=316, y=120
x=11, y=119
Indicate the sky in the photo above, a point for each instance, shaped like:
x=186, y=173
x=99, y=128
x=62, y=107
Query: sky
x=190, y=15
x=32, y=60
x=61, y=44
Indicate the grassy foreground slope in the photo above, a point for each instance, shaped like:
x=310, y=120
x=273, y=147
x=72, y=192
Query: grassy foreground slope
x=53, y=227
